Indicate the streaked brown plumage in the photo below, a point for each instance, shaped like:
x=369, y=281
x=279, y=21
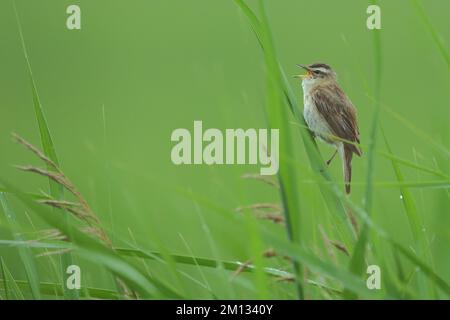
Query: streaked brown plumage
x=329, y=113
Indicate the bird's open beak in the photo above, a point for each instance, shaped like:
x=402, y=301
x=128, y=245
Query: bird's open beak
x=303, y=76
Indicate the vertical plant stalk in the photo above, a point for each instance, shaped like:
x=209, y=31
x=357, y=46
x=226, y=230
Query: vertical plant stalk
x=415, y=223
x=25, y=253
x=56, y=190
x=357, y=261
x=278, y=118
x=5, y=282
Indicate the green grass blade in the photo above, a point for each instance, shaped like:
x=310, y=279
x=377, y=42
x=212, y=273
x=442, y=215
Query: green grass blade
x=418, y=131
x=4, y=280
x=155, y=255
x=417, y=4
x=410, y=208
x=25, y=253
x=49, y=289
x=99, y=254
x=413, y=165
x=46, y=138
x=200, y=261
x=11, y=287
x=376, y=114
x=56, y=191
x=278, y=119
x=444, y=184
x=254, y=21
x=433, y=276
x=357, y=260
x=411, y=211
x=34, y=244
x=34, y=196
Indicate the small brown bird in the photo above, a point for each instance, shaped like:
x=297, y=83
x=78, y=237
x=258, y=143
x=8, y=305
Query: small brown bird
x=329, y=113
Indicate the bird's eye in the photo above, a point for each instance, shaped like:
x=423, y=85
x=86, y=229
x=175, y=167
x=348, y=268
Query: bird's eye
x=317, y=72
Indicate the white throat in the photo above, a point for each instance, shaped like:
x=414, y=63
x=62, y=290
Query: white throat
x=307, y=84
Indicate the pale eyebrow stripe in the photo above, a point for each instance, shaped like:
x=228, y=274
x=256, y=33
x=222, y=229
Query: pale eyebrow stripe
x=323, y=70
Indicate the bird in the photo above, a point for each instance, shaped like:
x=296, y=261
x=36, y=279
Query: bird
x=330, y=115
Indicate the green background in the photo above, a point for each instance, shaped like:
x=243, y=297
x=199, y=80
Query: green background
x=114, y=91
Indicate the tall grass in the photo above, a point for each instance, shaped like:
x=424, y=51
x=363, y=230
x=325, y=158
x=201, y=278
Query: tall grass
x=56, y=190
x=24, y=252
x=297, y=267
x=357, y=262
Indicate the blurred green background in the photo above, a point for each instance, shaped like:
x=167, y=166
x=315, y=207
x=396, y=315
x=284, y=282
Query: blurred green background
x=114, y=91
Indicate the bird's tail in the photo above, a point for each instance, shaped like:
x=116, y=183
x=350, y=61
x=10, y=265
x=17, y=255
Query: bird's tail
x=347, y=155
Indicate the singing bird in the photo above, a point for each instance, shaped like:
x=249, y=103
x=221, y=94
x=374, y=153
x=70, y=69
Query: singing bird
x=330, y=115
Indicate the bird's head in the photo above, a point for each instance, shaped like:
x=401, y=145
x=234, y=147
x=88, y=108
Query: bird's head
x=316, y=73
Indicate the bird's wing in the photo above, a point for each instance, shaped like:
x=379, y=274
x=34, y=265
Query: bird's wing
x=338, y=111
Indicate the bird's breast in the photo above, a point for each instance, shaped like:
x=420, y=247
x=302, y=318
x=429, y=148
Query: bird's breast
x=314, y=119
